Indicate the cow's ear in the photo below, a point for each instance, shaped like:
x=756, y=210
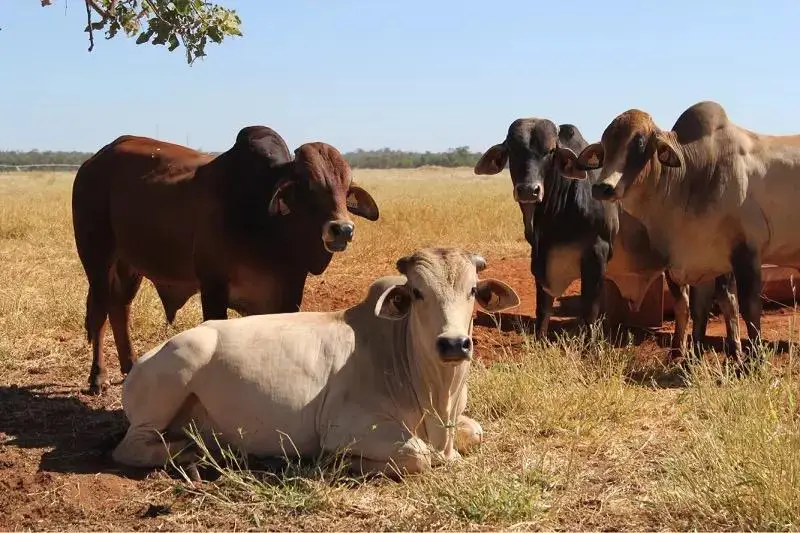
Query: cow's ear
x=394, y=303
x=591, y=157
x=493, y=161
x=667, y=154
x=493, y=295
x=359, y=202
x=278, y=204
x=478, y=260
x=567, y=164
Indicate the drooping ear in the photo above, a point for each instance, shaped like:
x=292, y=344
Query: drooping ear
x=403, y=263
x=359, y=202
x=667, y=153
x=494, y=295
x=478, y=260
x=493, y=161
x=591, y=157
x=567, y=164
x=278, y=203
x=394, y=303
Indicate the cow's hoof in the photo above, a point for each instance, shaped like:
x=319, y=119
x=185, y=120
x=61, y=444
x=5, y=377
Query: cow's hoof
x=98, y=386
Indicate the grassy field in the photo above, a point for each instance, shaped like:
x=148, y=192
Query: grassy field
x=574, y=439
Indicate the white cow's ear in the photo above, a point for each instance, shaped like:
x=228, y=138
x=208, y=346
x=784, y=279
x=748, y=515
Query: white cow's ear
x=394, y=303
x=277, y=204
x=494, y=296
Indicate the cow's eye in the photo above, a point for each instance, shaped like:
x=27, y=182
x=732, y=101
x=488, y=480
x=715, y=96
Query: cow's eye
x=417, y=294
x=473, y=292
x=640, y=144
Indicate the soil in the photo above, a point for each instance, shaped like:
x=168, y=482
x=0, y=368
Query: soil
x=54, y=471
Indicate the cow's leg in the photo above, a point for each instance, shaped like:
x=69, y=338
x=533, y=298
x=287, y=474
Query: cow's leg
x=125, y=285
x=96, y=316
x=725, y=291
x=146, y=447
x=593, y=270
x=681, y=295
x=701, y=297
x=158, y=411
x=469, y=434
x=544, y=310
x=377, y=447
x=747, y=271
x=214, y=299
x=385, y=457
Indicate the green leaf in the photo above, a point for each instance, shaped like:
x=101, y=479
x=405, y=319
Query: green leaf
x=173, y=42
x=144, y=37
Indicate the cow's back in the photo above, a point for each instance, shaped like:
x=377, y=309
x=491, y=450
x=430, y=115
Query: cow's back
x=146, y=193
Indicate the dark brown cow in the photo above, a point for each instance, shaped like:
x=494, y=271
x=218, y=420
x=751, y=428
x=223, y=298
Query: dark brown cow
x=244, y=228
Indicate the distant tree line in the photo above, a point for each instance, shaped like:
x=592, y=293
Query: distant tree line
x=384, y=158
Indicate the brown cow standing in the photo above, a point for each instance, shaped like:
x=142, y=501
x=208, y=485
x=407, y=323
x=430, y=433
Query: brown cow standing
x=244, y=228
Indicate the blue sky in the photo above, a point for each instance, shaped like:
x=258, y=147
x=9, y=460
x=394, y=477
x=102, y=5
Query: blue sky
x=412, y=75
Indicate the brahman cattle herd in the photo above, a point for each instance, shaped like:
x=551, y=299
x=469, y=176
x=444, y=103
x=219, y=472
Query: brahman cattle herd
x=386, y=380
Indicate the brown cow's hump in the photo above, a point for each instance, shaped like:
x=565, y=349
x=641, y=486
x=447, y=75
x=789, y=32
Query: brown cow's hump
x=700, y=120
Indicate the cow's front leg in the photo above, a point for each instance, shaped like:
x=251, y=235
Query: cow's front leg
x=411, y=457
x=681, y=295
x=384, y=447
x=469, y=434
x=593, y=270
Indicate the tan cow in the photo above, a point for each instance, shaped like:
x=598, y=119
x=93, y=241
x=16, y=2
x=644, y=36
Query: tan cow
x=714, y=196
x=385, y=379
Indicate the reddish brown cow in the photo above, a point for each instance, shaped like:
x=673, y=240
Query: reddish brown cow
x=244, y=228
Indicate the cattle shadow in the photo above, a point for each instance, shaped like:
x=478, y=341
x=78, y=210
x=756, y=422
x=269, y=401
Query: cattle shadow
x=49, y=415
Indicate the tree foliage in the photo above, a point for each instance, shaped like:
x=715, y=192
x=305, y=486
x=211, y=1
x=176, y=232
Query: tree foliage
x=169, y=23
x=385, y=158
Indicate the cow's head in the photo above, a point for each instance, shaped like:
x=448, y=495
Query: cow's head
x=631, y=148
x=534, y=149
x=319, y=195
x=438, y=298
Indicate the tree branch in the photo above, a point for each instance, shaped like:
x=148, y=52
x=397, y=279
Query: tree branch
x=89, y=24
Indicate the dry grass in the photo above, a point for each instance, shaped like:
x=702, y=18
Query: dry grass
x=573, y=441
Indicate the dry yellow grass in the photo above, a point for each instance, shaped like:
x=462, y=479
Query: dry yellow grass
x=572, y=441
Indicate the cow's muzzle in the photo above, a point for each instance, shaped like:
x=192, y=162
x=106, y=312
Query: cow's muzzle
x=528, y=193
x=337, y=234
x=603, y=191
x=454, y=349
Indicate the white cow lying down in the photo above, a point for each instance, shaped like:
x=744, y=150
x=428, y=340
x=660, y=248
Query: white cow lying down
x=385, y=379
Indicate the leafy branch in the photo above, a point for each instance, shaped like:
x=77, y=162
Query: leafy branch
x=170, y=23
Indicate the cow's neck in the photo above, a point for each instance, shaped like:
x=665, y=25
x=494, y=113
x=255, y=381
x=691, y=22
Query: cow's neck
x=437, y=389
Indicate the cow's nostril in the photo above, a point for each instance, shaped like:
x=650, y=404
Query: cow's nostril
x=342, y=229
x=466, y=344
x=602, y=191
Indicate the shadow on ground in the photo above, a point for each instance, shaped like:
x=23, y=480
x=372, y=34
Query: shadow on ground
x=53, y=417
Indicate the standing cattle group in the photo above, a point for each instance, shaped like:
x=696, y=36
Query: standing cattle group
x=705, y=203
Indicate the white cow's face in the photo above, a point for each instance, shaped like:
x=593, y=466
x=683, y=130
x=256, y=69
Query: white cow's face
x=439, y=299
